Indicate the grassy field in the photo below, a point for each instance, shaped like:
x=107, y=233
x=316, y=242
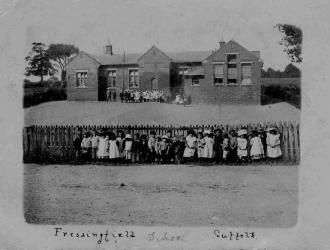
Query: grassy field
x=256, y=196
x=85, y=113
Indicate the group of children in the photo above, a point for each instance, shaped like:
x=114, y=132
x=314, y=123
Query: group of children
x=205, y=147
x=155, y=95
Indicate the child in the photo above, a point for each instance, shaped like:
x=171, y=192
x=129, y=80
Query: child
x=95, y=143
x=257, y=149
x=200, y=146
x=102, y=147
x=232, y=149
x=143, y=148
x=208, y=148
x=263, y=135
x=120, y=137
x=164, y=148
x=176, y=147
x=273, y=144
x=77, y=145
x=190, y=146
x=151, y=146
x=225, y=145
x=127, y=148
x=169, y=141
x=242, y=144
x=217, y=145
x=86, y=145
x=135, y=148
x=157, y=150
x=113, y=147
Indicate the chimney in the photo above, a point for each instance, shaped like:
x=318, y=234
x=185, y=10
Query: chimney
x=108, y=50
x=222, y=43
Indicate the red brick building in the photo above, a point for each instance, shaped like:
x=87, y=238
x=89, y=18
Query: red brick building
x=231, y=74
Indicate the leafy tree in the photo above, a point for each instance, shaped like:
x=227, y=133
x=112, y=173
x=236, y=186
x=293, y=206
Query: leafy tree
x=60, y=54
x=291, y=71
x=291, y=41
x=38, y=62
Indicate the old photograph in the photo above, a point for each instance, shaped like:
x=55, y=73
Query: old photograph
x=170, y=116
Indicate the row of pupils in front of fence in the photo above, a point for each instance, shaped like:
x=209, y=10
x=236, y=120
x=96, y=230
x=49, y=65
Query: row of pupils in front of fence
x=206, y=146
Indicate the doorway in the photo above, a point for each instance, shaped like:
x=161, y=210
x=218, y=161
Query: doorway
x=154, y=83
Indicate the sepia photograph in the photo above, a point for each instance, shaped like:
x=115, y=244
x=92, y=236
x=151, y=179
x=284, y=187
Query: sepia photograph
x=175, y=115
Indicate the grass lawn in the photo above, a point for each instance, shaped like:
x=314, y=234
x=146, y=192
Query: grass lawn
x=85, y=113
x=173, y=195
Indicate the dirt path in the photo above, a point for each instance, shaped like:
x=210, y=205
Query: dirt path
x=259, y=196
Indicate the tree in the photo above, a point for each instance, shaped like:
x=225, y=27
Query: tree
x=291, y=71
x=291, y=41
x=60, y=54
x=38, y=62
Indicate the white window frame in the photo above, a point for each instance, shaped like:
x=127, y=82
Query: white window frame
x=86, y=79
x=111, y=70
x=248, y=63
x=223, y=73
x=183, y=69
x=129, y=78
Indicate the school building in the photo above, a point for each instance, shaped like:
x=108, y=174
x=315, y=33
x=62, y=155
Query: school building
x=231, y=74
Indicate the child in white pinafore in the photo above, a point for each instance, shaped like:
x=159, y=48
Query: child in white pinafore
x=242, y=144
x=102, y=147
x=208, y=147
x=273, y=144
x=257, y=150
x=127, y=148
x=113, y=147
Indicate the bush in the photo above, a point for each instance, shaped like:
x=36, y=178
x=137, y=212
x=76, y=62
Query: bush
x=35, y=93
x=289, y=93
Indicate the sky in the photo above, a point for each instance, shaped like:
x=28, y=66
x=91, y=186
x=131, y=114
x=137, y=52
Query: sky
x=171, y=25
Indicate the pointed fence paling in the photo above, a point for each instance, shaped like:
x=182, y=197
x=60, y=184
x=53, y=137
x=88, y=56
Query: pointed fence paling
x=55, y=143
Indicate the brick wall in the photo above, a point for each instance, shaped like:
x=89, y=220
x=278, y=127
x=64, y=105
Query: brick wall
x=238, y=94
x=90, y=93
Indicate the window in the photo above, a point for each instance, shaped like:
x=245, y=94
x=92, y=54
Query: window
x=195, y=80
x=112, y=78
x=246, y=74
x=232, y=68
x=183, y=70
x=134, y=78
x=81, y=77
x=218, y=73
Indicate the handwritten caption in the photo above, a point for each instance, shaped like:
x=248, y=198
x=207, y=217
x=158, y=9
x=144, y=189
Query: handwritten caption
x=115, y=236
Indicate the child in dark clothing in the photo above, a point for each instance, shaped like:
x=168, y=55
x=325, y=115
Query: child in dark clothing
x=77, y=145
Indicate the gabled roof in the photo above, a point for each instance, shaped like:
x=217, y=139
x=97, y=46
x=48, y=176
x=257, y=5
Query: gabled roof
x=154, y=47
x=255, y=54
x=189, y=56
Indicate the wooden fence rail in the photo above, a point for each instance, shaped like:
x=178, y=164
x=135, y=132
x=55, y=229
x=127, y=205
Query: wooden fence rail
x=55, y=143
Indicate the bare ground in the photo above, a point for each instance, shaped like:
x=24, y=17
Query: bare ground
x=90, y=113
x=173, y=195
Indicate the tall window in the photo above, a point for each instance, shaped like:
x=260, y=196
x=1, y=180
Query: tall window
x=134, y=78
x=112, y=78
x=232, y=68
x=246, y=73
x=218, y=73
x=81, y=77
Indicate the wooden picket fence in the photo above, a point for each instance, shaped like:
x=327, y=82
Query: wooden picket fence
x=55, y=143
